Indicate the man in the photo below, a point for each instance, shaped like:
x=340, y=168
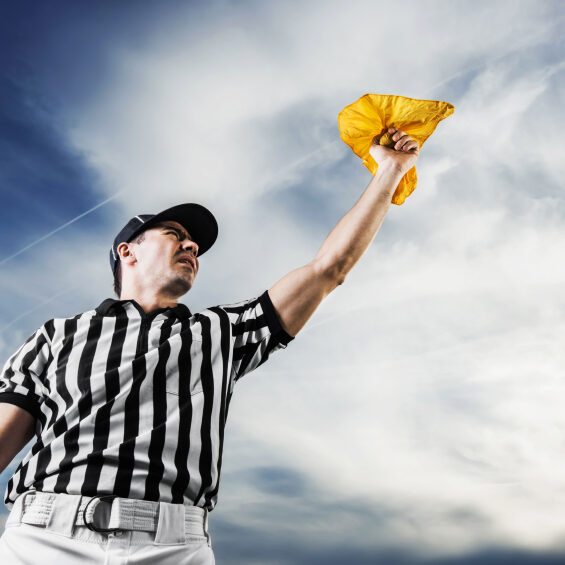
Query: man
x=128, y=401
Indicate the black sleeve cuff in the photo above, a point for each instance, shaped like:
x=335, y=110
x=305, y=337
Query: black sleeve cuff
x=25, y=402
x=273, y=319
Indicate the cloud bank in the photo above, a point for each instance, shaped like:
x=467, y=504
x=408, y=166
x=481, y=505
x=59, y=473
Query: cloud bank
x=418, y=416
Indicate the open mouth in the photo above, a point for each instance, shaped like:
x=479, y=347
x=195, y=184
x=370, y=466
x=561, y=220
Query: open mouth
x=185, y=261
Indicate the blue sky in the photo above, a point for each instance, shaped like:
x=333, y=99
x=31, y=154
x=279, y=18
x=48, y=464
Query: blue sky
x=418, y=417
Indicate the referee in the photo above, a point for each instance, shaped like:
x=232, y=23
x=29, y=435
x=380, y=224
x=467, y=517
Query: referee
x=127, y=402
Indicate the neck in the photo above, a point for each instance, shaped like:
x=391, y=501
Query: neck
x=148, y=300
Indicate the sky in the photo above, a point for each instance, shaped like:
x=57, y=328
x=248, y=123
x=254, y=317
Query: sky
x=418, y=417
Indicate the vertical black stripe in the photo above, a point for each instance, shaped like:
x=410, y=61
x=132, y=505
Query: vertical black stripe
x=21, y=472
x=50, y=406
x=28, y=360
x=182, y=479
x=50, y=329
x=126, y=454
x=157, y=439
x=10, y=487
x=207, y=377
x=95, y=460
x=84, y=403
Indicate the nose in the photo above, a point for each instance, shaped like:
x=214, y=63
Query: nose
x=189, y=245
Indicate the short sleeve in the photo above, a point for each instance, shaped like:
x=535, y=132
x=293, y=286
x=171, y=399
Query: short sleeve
x=256, y=332
x=21, y=377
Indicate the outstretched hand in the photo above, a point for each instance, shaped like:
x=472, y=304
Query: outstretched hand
x=404, y=154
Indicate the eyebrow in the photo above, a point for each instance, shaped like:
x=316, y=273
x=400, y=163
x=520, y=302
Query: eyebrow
x=181, y=233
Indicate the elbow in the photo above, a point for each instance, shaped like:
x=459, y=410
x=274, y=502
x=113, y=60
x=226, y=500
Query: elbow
x=339, y=277
x=332, y=271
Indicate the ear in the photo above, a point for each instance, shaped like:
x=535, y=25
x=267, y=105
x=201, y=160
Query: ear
x=125, y=251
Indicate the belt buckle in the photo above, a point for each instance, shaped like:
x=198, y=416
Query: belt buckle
x=91, y=526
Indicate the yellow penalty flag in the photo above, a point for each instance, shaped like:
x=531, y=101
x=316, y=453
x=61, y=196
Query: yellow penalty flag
x=372, y=115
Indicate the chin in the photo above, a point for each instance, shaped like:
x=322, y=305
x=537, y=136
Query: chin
x=179, y=286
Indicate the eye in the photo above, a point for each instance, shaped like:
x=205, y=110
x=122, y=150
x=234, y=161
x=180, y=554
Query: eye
x=175, y=233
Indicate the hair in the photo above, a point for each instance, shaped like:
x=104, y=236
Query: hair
x=118, y=270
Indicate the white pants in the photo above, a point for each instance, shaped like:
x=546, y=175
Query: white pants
x=60, y=542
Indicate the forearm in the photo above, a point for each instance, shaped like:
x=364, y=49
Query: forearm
x=16, y=429
x=297, y=295
x=349, y=239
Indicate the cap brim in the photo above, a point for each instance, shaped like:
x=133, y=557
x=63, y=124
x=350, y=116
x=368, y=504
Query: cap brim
x=196, y=219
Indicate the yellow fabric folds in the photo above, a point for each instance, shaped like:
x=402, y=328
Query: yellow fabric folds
x=373, y=114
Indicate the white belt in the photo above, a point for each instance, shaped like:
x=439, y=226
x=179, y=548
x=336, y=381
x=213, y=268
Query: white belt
x=108, y=513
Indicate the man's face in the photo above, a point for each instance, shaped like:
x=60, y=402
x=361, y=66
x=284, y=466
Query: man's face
x=166, y=259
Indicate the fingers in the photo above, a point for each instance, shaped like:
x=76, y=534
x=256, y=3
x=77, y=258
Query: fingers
x=410, y=145
x=403, y=141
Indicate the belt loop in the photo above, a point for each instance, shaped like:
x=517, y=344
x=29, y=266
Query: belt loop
x=63, y=514
x=18, y=509
x=206, y=532
x=170, y=528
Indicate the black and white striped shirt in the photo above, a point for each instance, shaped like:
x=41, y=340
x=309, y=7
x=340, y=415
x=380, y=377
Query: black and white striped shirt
x=135, y=405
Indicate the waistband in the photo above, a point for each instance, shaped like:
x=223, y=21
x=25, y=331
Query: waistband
x=105, y=514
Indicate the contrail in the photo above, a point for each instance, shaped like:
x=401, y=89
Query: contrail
x=43, y=238
x=42, y=303
x=481, y=65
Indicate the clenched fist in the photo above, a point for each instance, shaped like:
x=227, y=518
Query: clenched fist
x=404, y=154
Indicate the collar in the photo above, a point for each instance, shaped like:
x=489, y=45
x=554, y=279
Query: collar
x=107, y=307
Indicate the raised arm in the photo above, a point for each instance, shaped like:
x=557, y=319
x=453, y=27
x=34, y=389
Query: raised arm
x=297, y=295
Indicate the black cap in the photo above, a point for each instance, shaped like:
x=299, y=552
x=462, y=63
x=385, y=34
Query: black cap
x=196, y=219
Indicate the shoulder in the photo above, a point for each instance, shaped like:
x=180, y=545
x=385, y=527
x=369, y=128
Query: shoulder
x=242, y=308
x=62, y=324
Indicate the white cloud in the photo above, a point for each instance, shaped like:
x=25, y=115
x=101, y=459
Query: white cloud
x=431, y=382
x=182, y=117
